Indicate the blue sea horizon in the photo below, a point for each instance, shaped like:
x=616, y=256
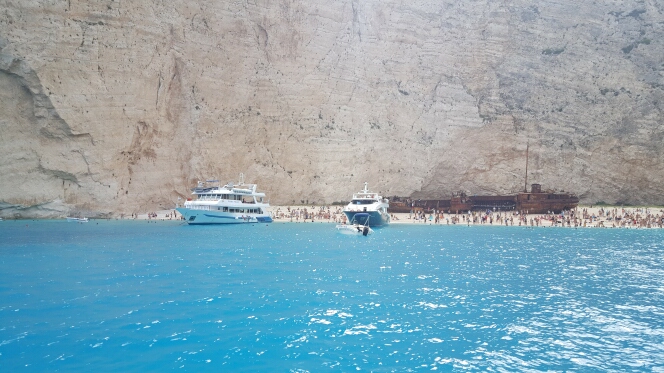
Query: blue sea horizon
x=136, y=296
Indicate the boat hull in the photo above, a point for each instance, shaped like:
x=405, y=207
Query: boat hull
x=354, y=229
x=201, y=217
x=376, y=218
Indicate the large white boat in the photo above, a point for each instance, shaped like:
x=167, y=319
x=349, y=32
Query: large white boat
x=370, y=203
x=228, y=204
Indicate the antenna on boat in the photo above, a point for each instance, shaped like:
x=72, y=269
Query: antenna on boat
x=366, y=190
x=241, y=178
x=525, y=185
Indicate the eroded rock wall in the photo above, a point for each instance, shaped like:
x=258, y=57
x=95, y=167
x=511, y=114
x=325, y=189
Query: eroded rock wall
x=113, y=107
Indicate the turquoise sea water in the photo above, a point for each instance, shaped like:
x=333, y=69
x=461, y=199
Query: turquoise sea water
x=137, y=296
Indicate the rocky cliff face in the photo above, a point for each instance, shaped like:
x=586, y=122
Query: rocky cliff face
x=113, y=107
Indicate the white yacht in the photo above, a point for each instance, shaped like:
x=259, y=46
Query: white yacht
x=371, y=203
x=228, y=204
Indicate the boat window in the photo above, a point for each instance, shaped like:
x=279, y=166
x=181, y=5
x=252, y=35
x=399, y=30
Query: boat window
x=362, y=202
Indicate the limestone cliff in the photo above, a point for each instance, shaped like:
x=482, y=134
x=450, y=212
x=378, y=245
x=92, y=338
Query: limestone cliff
x=113, y=107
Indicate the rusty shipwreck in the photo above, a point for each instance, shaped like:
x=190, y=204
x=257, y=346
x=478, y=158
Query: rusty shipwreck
x=534, y=202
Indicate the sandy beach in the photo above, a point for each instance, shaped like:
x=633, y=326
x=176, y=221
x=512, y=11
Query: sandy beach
x=582, y=216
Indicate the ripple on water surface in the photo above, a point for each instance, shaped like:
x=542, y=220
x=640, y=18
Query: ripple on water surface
x=126, y=296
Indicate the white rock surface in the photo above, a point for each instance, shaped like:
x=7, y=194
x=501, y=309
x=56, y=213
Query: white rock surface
x=113, y=106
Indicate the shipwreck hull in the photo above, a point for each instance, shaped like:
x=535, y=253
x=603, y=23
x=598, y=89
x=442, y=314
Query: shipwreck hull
x=535, y=202
x=543, y=203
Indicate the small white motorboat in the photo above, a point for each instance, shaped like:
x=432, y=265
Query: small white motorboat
x=77, y=220
x=359, y=225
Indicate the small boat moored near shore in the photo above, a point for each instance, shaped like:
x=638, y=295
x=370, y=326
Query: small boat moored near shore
x=359, y=225
x=77, y=220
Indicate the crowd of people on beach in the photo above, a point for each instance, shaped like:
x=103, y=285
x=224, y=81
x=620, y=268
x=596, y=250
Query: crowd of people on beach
x=604, y=218
x=315, y=213
x=582, y=217
x=168, y=215
x=609, y=217
x=631, y=218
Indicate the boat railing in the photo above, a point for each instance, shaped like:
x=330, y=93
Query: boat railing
x=358, y=208
x=367, y=196
x=225, y=201
x=200, y=207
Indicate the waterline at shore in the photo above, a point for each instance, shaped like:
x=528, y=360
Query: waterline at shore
x=582, y=216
